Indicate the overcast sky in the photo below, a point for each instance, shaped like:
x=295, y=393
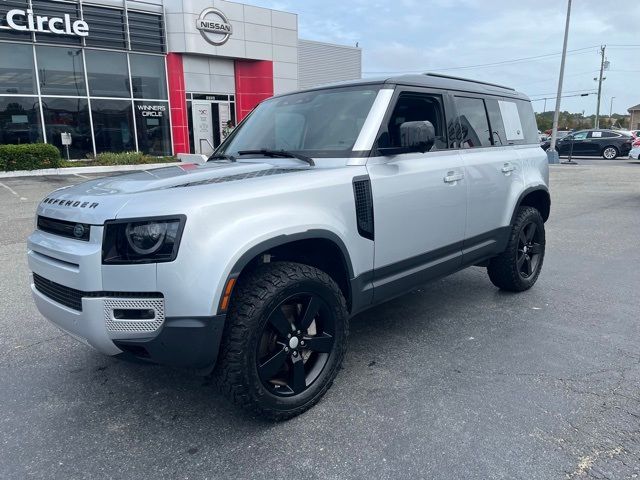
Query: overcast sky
x=432, y=35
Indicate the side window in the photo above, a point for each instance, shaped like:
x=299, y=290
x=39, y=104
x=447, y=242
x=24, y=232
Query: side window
x=528, y=121
x=411, y=107
x=579, y=136
x=473, y=122
x=610, y=135
x=497, y=125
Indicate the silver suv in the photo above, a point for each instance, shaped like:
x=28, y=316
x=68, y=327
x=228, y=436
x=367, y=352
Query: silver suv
x=319, y=205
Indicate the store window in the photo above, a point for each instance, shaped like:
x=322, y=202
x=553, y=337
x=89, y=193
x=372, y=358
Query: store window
x=152, y=122
x=60, y=71
x=17, y=74
x=108, y=73
x=148, y=76
x=19, y=120
x=113, y=125
x=68, y=115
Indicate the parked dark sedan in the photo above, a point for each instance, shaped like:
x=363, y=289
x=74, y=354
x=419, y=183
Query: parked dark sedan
x=594, y=143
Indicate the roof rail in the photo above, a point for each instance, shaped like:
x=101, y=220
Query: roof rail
x=439, y=75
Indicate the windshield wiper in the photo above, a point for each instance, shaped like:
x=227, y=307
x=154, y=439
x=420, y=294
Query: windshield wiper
x=222, y=156
x=278, y=153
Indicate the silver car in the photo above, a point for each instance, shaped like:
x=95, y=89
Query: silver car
x=319, y=205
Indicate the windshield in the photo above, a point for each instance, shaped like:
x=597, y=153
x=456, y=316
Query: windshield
x=320, y=123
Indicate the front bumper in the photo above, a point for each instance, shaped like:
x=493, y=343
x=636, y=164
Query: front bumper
x=94, y=303
x=181, y=342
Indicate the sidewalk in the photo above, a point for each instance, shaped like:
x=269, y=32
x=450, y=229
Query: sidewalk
x=80, y=170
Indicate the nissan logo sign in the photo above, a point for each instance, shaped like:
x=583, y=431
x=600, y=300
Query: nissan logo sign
x=214, y=26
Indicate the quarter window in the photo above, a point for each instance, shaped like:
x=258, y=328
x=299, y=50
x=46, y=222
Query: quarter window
x=473, y=122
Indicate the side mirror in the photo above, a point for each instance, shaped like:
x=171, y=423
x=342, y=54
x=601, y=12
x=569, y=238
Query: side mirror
x=193, y=158
x=417, y=136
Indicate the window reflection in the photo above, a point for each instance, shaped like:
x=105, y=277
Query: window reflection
x=152, y=121
x=113, y=125
x=68, y=115
x=16, y=69
x=148, y=76
x=108, y=74
x=19, y=120
x=60, y=71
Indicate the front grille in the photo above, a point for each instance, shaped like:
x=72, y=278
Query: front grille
x=72, y=298
x=77, y=231
x=69, y=297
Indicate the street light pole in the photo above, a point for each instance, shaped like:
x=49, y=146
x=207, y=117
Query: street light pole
x=553, y=156
x=602, y=49
x=611, y=107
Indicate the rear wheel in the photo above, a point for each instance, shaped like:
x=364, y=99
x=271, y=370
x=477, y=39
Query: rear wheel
x=518, y=267
x=610, y=152
x=284, y=340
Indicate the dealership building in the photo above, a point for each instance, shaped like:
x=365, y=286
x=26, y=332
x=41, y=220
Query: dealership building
x=155, y=76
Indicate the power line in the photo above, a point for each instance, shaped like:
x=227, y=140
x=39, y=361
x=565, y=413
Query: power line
x=492, y=64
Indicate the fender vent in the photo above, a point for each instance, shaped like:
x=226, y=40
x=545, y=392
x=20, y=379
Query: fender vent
x=364, y=206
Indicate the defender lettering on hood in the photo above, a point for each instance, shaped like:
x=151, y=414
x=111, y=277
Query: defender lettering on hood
x=70, y=203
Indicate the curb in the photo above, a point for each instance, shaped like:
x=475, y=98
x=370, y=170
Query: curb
x=78, y=170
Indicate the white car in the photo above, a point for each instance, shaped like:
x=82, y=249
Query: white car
x=256, y=259
x=635, y=153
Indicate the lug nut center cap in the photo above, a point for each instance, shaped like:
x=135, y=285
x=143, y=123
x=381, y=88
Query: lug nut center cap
x=293, y=342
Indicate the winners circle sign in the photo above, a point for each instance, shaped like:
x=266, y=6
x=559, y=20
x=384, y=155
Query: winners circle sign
x=27, y=21
x=214, y=26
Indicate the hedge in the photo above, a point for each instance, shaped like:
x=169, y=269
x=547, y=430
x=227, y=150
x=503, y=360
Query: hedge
x=29, y=156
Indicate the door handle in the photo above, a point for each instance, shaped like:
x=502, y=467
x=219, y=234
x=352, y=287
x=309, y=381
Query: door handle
x=508, y=168
x=452, y=177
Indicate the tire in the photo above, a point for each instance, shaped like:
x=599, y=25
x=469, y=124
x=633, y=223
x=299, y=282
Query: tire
x=284, y=340
x=610, y=152
x=517, y=268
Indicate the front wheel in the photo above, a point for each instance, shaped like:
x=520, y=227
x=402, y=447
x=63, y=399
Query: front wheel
x=518, y=267
x=610, y=153
x=284, y=341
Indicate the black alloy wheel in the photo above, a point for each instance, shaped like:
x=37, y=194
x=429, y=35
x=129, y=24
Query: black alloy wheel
x=529, y=250
x=295, y=344
x=284, y=339
x=517, y=268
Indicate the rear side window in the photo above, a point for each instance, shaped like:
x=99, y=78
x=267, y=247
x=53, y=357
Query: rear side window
x=473, y=122
x=528, y=122
x=497, y=125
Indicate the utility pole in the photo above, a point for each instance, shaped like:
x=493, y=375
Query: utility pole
x=553, y=155
x=611, y=107
x=602, y=49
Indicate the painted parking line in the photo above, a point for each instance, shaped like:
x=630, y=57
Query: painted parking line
x=12, y=191
x=83, y=176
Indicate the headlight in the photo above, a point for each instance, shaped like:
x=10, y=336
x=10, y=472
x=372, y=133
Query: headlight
x=149, y=240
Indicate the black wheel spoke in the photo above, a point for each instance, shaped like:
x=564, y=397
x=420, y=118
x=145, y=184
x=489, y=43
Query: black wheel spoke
x=521, y=260
x=310, y=313
x=268, y=369
x=523, y=238
x=280, y=322
x=299, y=382
x=322, y=343
x=535, y=249
x=528, y=265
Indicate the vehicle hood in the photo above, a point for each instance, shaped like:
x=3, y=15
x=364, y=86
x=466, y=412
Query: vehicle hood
x=98, y=200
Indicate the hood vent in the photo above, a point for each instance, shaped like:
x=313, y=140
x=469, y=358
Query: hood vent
x=241, y=176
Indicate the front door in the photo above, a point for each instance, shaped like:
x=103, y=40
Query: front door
x=419, y=200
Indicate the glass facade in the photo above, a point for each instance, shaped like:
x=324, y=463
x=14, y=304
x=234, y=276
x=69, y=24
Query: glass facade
x=107, y=89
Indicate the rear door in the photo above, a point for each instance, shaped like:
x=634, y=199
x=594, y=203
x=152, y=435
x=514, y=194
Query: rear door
x=490, y=128
x=419, y=199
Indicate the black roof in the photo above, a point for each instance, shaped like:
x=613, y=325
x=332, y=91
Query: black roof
x=434, y=80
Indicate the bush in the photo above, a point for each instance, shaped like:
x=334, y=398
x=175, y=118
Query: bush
x=29, y=156
x=128, y=158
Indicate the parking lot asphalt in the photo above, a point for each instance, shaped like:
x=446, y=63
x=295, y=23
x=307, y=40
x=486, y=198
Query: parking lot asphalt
x=456, y=380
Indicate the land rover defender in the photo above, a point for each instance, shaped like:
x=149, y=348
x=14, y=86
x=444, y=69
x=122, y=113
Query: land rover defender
x=319, y=205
